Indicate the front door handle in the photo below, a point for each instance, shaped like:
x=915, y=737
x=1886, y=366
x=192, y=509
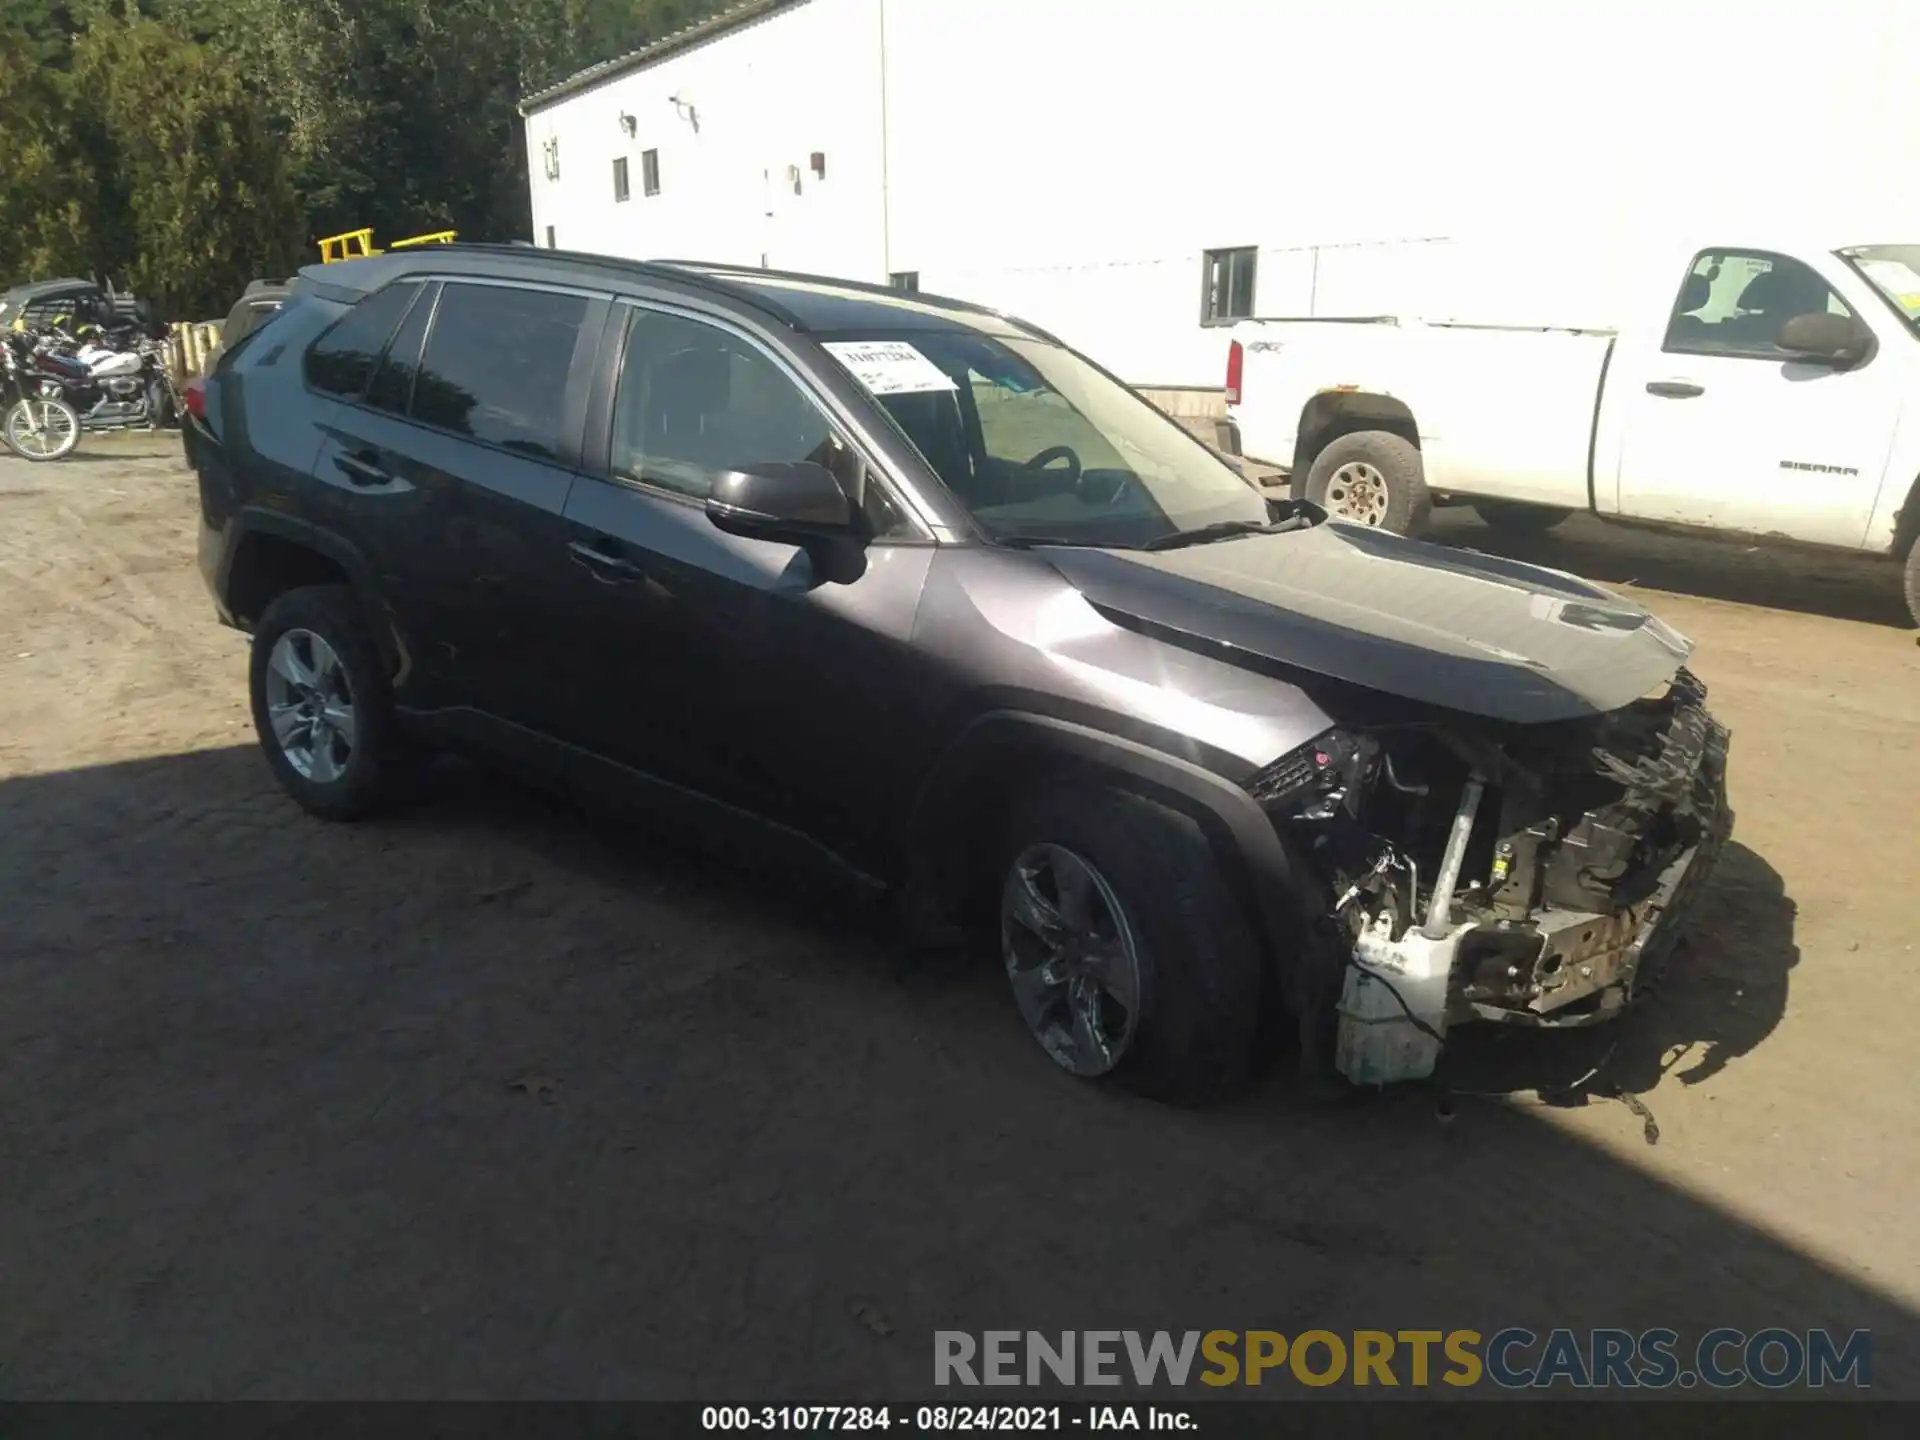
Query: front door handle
x=1675, y=389
x=603, y=564
x=362, y=469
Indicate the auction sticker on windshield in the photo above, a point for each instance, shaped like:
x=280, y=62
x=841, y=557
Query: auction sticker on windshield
x=890, y=367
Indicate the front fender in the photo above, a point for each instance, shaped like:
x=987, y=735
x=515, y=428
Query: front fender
x=1006, y=749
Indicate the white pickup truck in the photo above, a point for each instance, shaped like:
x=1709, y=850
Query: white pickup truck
x=1771, y=390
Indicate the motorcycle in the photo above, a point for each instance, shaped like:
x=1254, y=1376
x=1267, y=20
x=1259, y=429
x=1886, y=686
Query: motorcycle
x=122, y=385
x=36, y=421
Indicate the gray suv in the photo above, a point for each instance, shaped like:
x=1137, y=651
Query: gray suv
x=904, y=588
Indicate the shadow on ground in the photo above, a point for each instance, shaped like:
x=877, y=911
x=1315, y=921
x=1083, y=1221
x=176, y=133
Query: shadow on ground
x=1843, y=586
x=487, y=1102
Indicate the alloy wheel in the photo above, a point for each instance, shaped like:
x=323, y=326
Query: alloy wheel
x=1071, y=957
x=310, y=706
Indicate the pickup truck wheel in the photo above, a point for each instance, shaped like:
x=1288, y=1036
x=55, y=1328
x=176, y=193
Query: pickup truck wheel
x=1913, y=583
x=1372, y=477
x=321, y=706
x=1514, y=519
x=1129, y=957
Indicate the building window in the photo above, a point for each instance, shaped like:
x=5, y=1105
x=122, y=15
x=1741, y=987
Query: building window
x=650, y=172
x=550, y=157
x=620, y=191
x=1228, y=286
x=550, y=243
x=819, y=161
x=908, y=280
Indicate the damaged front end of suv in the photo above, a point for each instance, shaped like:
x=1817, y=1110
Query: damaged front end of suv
x=1524, y=874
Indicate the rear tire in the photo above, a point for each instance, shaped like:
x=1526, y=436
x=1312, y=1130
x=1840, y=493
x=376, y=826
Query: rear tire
x=322, y=707
x=1913, y=583
x=1191, y=958
x=1372, y=477
x=1511, y=518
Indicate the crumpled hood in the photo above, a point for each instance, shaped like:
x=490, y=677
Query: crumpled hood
x=1472, y=633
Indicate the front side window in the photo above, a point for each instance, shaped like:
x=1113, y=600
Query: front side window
x=497, y=364
x=341, y=361
x=1038, y=444
x=1227, y=293
x=1734, y=302
x=695, y=401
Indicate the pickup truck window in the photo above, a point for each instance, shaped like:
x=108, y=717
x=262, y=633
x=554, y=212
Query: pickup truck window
x=1894, y=271
x=1733, y=302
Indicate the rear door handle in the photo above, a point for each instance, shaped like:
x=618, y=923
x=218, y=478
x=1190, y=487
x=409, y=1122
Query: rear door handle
x=603, y=563
x=1675, y=389
x=362, y=469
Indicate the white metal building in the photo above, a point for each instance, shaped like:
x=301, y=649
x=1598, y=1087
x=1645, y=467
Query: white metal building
x=1124, y=171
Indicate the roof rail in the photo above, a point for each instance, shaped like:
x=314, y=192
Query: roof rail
x=681, y=273
x=867, y=287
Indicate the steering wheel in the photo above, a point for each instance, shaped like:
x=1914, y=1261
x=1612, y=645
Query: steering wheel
x=1044, y=461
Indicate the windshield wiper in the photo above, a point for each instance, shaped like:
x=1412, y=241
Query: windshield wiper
x=1226, y=530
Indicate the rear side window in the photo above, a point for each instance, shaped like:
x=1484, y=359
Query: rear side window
x=497, y=365
x=341, y=361
x=392, y=387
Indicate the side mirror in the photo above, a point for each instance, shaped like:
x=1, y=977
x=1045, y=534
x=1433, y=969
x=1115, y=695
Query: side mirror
x=797, y=503
x=1823, y=338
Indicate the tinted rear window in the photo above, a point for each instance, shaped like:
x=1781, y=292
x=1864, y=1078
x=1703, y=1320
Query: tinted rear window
x=392, y=387
x=341, y=361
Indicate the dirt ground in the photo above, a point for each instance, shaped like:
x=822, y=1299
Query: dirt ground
x=490, y=1100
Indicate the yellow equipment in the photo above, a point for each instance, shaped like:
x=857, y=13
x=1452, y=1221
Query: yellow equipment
x=353, y=245
x=358, y=244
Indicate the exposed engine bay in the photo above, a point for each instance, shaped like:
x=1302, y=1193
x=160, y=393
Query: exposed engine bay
x=1523, y=874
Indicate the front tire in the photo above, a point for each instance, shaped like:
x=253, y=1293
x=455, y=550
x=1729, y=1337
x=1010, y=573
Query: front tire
x=39, y=428
x=1372, y=477
x=1510, y=518
x=321, y=705
x=1913, y=583
x=1129, y=956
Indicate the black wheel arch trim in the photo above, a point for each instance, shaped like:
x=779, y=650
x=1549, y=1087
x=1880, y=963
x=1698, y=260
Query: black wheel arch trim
x=1283, y=899
x=253, y=520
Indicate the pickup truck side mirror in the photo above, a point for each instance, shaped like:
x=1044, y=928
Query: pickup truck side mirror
x=1823, y=338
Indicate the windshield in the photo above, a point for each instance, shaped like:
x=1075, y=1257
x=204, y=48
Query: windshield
x=1039, y=445
x=1893, y=270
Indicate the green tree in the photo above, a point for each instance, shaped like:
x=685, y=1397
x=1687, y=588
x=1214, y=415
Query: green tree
x=46, y=184
x=401, y=114
x=193, y=188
